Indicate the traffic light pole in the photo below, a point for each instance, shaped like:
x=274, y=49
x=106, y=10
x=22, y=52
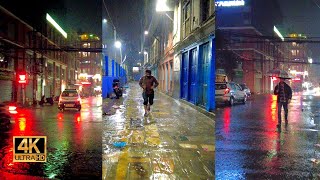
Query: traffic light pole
x=23, y=95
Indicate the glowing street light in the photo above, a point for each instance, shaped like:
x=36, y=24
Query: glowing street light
x=56, y=25
x=162, y=6
x=117, y=44
x=146, y=32
x=105, y=21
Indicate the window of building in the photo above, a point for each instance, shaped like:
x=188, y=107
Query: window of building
x=12, y=31
x=205, y=10
x=186, y=19
x=294, y=52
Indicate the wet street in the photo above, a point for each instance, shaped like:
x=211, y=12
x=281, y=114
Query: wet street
x=73, y=142
x=249, y=146
x=173, y=142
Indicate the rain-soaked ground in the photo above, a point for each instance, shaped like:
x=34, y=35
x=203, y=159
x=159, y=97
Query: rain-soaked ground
x=249, y=146
x=73, y=142
x=174, y=142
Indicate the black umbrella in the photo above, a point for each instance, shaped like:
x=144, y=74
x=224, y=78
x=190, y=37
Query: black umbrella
x=279, y=74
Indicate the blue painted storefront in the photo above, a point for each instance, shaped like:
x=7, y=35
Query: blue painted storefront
x=197, y=74
x=117, y=72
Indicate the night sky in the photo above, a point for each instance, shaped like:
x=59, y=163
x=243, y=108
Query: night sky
x=85, y=15
x=69, y=14
x=127, y=16
x=303, y=17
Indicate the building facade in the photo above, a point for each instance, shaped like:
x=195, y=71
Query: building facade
x=179, y=49
x=194, y=47
x=90, y=63
x=255, y=41
x=38, y=53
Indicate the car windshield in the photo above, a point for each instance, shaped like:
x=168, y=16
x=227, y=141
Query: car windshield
x=221, y=86
x=69, y=94
x=243, y=86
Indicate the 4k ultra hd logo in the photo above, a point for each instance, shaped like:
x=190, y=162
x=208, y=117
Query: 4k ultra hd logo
x=29, y=148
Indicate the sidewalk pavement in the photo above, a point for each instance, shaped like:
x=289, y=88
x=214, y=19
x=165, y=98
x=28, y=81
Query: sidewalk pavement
x=174, y=142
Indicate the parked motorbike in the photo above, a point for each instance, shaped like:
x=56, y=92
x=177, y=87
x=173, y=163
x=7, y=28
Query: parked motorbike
x=117, y=89
x=46, y=101
x=4, y=117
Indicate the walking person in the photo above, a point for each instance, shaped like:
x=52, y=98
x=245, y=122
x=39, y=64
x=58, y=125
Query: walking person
x=284, y=96
x=148, y=83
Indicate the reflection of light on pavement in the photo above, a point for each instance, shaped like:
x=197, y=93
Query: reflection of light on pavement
x=226, y=118
x=273, y=108
x=99, y=101
x=51, y=176
x=22, y=123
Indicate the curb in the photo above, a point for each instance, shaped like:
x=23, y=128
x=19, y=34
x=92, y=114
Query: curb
x=201, y=110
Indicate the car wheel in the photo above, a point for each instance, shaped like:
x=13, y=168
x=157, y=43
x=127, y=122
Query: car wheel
x=231, y=102
x=244, y=100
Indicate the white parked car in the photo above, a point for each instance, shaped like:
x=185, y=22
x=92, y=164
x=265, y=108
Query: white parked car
x=230, y=93
x=246, y=89
x=69, y=98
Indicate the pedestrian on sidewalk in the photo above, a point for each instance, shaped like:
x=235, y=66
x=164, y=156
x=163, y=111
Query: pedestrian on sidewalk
x=284, y=96
x=148, y=83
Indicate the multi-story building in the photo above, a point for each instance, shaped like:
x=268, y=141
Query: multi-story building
x=247, y=31
x=194, y=58
x=179, y=49
x=299, y=58
x=90, y=62
x=37, y=52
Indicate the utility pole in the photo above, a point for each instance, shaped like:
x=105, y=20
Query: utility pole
x=34, y=79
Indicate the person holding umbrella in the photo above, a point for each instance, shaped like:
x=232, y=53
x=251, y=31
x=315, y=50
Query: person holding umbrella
x=284, y=96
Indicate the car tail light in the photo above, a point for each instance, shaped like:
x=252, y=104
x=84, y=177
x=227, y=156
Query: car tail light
x=227, y=91
x=12, y=108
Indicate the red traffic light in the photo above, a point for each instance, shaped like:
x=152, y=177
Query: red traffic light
x=22, y=78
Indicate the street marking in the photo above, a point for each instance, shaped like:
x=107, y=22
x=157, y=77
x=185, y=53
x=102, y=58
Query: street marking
x=190, y=146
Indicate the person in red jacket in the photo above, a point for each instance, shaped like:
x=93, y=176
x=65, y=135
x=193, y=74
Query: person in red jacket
x=148, y=83
x=284, y=96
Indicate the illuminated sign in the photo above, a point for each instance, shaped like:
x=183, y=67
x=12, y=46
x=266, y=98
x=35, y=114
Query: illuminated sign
x=56, y=25
x=85, y=83
x=230, y=3
x=275, y=29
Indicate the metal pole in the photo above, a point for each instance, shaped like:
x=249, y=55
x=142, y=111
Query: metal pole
x=23, y=95
x=34, y=68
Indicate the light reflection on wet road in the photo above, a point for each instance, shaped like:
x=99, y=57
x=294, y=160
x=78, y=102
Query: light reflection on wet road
x=248, y=145
x=73, y=141
x=174, y=142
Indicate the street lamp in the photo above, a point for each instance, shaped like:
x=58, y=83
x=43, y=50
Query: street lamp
x=105, y=21
x=117, y=44
x=146, y=32
x=162, y=6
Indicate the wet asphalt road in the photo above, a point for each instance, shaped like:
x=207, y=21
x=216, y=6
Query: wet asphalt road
x=73, y=142
x=249, y=146
x=174, y=142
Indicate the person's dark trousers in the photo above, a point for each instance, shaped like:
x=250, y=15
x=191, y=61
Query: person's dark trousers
x=147, y=98
x=285, y=107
